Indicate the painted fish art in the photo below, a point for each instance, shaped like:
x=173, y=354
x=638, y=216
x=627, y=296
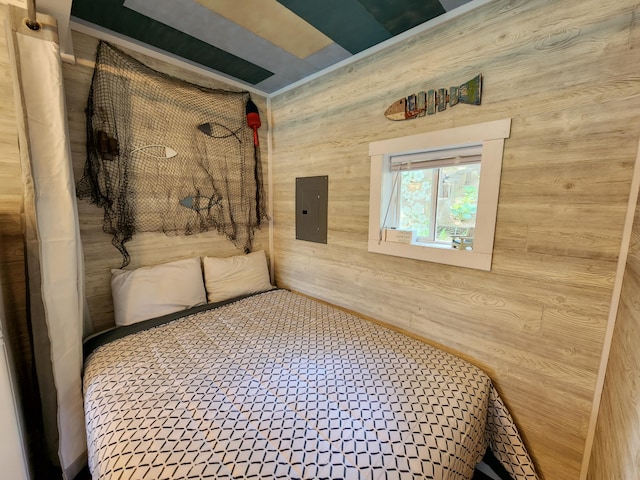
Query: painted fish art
x=217, y=130
x=156, y=151
x=199, y=202
x=107, y=145
x=427, y=103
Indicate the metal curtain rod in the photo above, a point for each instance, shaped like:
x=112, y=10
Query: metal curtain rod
x=31, y=22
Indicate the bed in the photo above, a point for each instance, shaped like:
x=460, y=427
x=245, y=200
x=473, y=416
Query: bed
x=277, y=385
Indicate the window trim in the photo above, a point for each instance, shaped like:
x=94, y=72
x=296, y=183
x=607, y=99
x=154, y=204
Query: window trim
x=491, y=136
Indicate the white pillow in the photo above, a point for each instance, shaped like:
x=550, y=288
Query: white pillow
x=149, y=292
x=231, y=277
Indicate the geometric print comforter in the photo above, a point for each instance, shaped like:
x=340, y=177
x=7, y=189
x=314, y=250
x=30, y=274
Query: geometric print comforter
x=280, y=386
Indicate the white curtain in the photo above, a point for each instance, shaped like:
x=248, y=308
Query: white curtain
x=54, y=253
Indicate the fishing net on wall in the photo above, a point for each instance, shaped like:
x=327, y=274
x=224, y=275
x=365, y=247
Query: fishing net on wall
x=164, y=155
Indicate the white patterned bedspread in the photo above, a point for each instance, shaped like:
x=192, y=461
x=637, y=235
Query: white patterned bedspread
x=280, y=386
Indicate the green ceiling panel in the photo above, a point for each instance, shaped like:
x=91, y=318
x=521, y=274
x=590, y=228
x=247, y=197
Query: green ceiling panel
x=397, y=17
x=354, y=29
x=352, y=25
x=112, y=15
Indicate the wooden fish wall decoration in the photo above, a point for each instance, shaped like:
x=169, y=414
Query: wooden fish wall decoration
x=156, y=151
x=427, y=103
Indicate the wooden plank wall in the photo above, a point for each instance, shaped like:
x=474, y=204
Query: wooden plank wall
x=616, y=449
x=10, y=171
x=147, y=248
x=15, y=330
x=567, y=74
x=12, y=270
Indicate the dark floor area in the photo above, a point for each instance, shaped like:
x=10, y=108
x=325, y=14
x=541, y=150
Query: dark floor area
x=85, y=475
x=478, y=475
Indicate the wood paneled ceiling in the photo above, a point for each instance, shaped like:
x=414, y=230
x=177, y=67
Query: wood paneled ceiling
x=265, y=44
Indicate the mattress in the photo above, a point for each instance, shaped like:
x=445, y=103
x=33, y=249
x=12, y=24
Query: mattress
x=277, y=385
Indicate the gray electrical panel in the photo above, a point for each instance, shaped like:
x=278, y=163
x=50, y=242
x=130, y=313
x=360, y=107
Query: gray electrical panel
x=311, y=208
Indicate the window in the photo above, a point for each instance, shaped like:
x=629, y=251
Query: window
x=434, y=196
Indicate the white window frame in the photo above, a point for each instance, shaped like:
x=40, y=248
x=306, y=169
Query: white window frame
x=491, y=136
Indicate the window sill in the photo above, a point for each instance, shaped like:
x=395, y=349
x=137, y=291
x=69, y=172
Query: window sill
x=443, y=246
x=434, y=253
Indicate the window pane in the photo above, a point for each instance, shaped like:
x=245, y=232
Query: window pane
x=457, y=202
x=416, y=201
x=449, y=214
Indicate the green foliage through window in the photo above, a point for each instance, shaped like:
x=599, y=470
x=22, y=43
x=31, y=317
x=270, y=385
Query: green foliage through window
x=439, y=203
